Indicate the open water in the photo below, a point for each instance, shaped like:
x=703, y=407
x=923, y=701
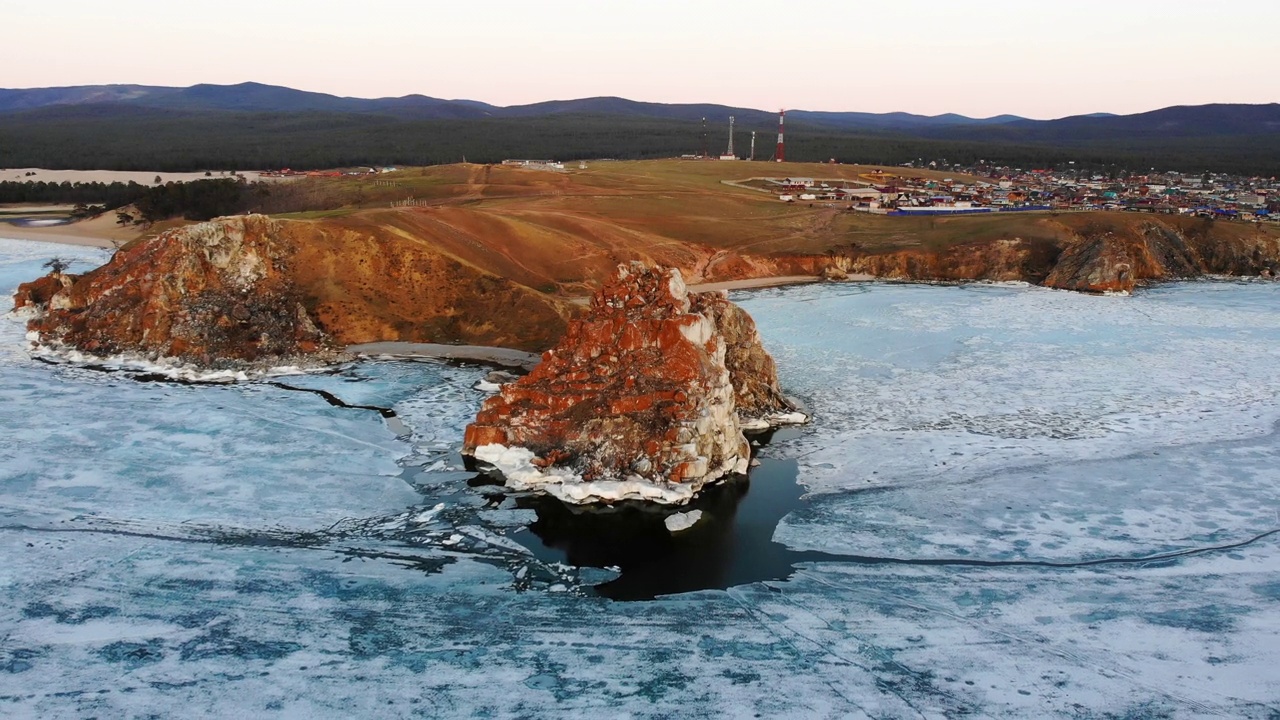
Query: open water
x=1012, y=502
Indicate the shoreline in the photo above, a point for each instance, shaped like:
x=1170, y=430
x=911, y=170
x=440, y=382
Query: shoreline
x=13, y=232
x=141, y=177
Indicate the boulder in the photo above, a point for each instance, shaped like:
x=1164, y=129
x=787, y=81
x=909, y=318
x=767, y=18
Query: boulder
x=638, y=401
x=34, y=296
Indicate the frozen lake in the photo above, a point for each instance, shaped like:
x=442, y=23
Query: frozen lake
x=1020, y=503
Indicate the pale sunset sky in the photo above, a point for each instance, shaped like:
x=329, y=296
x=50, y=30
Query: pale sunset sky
x=1038, y=59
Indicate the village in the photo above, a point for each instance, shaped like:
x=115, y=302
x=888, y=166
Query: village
x=986, y=189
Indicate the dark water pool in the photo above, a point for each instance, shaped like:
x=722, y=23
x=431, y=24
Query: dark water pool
x=731, y=545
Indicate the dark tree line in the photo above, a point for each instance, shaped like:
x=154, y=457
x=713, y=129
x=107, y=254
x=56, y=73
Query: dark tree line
x=112, y=195
x=197, y=200
x=169, y=142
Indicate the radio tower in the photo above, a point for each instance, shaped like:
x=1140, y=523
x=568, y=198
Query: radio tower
x=729, y=152
x=753, y=145
x=781, y=154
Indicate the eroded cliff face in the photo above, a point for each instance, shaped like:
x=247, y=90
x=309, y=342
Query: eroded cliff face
x=1117, y=258
x=250, y=289
x=999, y=260
x=1088, y=252
x=637, y=401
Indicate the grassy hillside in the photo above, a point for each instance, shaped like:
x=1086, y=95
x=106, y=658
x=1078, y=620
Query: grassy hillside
x=562, y=232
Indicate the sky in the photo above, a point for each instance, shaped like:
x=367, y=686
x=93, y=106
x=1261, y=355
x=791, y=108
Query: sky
x=1035, y=58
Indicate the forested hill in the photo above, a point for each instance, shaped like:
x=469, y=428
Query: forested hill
x=260, y=126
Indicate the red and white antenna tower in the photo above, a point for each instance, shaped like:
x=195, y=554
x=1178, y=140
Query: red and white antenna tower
x=781, y=154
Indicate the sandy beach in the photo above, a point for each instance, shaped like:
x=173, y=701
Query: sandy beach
x=102, y=232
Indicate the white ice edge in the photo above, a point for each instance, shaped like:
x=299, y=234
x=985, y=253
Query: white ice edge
x=517, y=468
x=772, y=420
x=168, y=367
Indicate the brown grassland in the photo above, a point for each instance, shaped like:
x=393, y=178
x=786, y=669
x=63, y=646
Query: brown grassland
x=564, y=231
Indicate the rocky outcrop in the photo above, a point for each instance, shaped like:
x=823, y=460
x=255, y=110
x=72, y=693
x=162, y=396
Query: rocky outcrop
x=252, y=290
x=1099, y=264
x=997, y=260
x=208, y=294
x=255, y=290
x=637, y=401
x=34, y=296
x=1118, y=257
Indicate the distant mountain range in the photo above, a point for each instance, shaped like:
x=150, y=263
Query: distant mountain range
x=256, y=97
x=265, y=121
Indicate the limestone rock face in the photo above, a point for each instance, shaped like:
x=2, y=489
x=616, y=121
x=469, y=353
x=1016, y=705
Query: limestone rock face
x=208, y=294
x=752, y=371
x=637, y=401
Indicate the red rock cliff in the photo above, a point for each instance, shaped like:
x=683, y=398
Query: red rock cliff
x=757, y=396
x=637, y=400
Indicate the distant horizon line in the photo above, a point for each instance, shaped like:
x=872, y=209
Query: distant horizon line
x=621, y=97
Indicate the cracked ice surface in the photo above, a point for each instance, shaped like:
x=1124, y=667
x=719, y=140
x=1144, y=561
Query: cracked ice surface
x=252, y=551
x=1030, y=424
x=962, y=381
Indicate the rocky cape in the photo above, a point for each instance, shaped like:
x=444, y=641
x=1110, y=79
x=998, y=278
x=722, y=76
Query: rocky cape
x=645, y=398
x=254, y=291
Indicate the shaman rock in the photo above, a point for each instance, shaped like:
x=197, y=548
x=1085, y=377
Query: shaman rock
x=638, y=401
